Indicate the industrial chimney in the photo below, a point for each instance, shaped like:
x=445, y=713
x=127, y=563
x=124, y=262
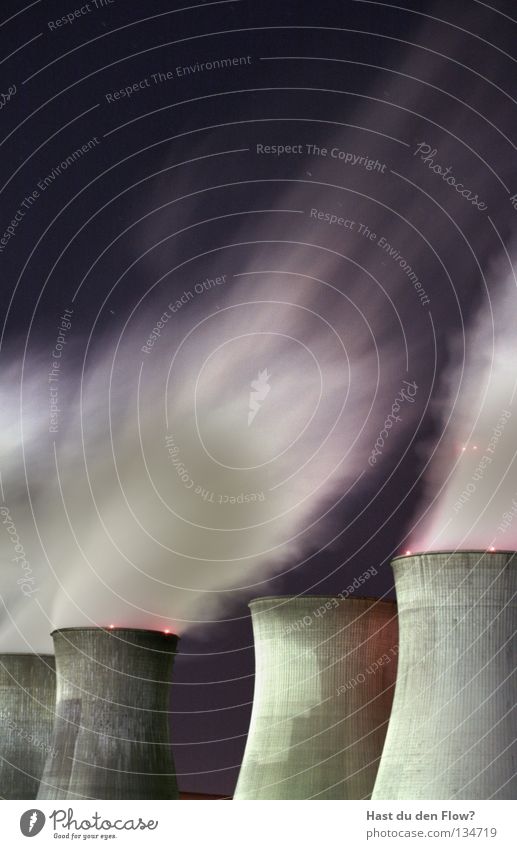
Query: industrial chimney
x=111, y=732
x=324, y=679
x=27, y=700
x=453, y=722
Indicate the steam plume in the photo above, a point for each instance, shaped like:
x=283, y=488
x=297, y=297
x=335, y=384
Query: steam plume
x=471, y=483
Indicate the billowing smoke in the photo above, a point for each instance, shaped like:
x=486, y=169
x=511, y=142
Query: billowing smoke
x=203, y=449
x=471, y=497
x=196, y=457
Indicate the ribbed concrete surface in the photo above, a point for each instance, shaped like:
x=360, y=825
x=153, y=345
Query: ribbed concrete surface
x=27, y=699
x=323, y=692
x=112, y=716
x=453, y=726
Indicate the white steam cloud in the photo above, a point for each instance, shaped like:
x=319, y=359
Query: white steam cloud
x=472, y=480
x=175, y=480
x=159, y=496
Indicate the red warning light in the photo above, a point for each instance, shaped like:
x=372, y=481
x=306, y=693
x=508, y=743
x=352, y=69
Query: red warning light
x=492, y=548
x=407, y=551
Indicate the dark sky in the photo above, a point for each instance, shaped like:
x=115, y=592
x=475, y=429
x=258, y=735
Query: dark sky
x=179, y=152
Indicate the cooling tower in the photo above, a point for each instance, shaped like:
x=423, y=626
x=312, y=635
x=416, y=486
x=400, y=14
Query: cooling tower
x=453, y=722
x=27, y=698
x=324, y=679
x=111, y=732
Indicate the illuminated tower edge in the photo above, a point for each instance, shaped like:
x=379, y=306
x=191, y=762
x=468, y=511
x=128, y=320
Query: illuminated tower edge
x=111, y=733
x=453, y=725
x=325, y=672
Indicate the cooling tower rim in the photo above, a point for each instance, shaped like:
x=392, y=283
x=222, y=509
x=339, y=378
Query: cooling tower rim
x=44, y=656
x=454, y=553
x=287, y=598
x=103, y=630
x=123, y=635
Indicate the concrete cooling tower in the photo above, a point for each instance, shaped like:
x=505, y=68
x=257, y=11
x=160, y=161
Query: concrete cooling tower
x=453, y=723
x=27, y=700
x=324, y=680
x=111, y=732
